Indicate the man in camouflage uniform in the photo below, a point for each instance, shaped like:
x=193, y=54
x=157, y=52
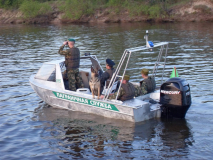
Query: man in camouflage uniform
x=72, y=62
x=127, y=90
x=148, y=85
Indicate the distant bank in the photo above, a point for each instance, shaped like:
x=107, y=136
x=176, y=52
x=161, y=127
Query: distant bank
x=104, y=11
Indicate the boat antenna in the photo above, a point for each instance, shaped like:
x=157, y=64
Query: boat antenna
x=149, y=44
x=146, y=38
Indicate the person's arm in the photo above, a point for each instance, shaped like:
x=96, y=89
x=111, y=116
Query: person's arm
x=113, y=96
x=137, y=91
x=61, y=51
x=144, y=88
x=100, y=72
x=104, y=77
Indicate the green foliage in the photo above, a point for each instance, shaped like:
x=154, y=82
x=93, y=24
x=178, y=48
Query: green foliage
x=138, y=8
x=154, y=11
x=10, y=4
x=32, y=8
x=14, y=4
x=74, y=9
x=115, y=3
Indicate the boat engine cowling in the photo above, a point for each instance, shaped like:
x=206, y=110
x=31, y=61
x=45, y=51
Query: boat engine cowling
x=175, y=98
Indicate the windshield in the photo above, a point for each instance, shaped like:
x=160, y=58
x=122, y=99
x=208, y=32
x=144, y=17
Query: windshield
x=46, y=72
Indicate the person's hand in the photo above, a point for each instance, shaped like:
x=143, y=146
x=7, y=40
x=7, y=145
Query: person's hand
x=65, y=43
x=102, y=96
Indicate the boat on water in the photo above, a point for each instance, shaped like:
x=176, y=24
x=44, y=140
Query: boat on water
x=172, y=98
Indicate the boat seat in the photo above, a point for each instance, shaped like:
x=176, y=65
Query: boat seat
x=85, y=77
x=83, y=90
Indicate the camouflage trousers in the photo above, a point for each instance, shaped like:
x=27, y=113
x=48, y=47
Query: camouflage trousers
x=75, y=79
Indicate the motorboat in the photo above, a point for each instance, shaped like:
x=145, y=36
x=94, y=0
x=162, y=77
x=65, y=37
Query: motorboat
x=171, y=98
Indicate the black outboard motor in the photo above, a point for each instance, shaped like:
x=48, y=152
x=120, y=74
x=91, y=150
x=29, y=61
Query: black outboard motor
x=175, y=98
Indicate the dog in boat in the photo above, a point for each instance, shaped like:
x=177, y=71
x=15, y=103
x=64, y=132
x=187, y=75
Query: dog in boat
x=94, y=83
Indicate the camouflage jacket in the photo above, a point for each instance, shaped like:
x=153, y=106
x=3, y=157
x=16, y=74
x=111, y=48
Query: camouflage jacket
x=141, y=90
x=150, y=84
x=127, y=91
x=72, y=57
x=113, y=96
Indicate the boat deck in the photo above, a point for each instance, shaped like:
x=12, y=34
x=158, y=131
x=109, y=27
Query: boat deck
x=135, y=103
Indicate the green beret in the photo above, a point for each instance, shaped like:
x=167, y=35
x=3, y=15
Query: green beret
x=71, y=40
x=145, y=71
x=126, y=77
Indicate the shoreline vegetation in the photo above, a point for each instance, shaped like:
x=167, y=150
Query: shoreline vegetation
x=104, y=11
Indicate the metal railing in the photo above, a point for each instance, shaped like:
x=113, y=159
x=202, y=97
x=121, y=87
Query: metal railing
x=127, y=54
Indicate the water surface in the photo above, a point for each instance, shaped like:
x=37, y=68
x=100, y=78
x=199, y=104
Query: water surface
x=30, y=129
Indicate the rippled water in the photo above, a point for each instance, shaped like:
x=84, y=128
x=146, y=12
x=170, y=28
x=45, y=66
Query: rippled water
x=30, y=129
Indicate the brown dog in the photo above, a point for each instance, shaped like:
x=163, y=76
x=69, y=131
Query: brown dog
x=94, y=83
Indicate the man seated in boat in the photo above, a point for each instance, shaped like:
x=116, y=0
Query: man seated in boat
x=72, y=62
x=107, y=75
x=147, y=85
x=127, y=90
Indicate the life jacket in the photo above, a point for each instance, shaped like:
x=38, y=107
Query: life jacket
x=150, y=82
x=129, y=90
x=72, y=60
x=110, y=72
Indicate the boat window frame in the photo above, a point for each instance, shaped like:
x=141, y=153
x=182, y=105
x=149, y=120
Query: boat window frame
x=49, y=76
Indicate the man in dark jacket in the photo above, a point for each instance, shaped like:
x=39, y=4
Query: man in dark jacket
x=107, y=75
x=72, y=62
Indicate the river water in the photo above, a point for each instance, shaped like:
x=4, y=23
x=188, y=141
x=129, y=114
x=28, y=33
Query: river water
x=30, y=129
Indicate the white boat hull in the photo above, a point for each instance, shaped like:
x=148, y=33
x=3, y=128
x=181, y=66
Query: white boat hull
x=79, y=102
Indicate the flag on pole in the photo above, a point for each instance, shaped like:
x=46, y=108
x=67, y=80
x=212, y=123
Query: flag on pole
x=174, y=73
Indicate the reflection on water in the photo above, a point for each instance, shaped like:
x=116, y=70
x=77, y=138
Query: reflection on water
x=32, y=130
x=83, y=135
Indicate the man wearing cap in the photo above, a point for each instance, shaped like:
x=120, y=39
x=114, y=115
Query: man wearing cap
x=72, y=62
x=148, y=85
x=127, y=90
x=107, y=75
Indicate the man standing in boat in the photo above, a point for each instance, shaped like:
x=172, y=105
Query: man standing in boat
x=127, y=90
x=148, y=85
x=107, y=75
x=72, y=62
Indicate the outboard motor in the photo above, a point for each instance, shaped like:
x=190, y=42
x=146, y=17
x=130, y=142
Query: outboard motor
x=175, y=98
